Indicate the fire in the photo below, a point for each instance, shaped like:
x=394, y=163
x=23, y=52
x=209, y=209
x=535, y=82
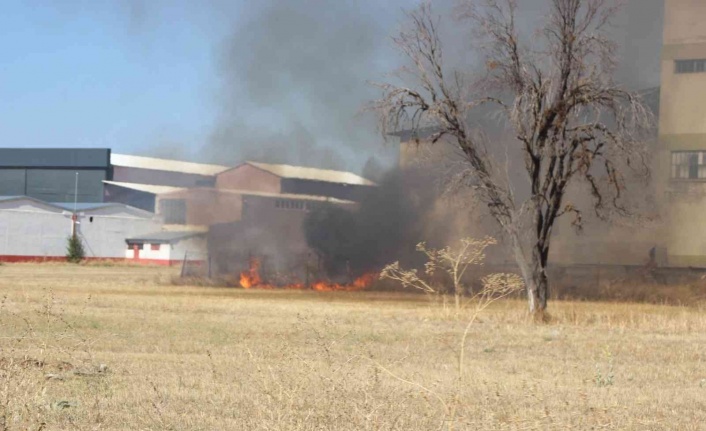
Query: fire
x=251, y=279
x=360, y=283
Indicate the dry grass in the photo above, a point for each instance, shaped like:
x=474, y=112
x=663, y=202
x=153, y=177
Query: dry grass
x=198, y=358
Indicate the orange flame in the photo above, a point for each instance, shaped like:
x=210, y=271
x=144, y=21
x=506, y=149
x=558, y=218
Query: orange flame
x=251, y=279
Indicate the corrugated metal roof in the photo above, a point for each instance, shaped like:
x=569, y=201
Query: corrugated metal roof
x=147, y=188
x=31, y=199
x=141, y=162
x=69, y=158
x=315, y=174
x=268, y=195
x=69, y=206
x=83, y=206
x=289, y=196
x=163, y=237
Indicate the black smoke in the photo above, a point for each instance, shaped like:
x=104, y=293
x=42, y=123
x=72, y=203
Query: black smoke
x=390, y=221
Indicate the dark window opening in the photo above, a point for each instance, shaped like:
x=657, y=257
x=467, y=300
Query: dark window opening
x=134, y=245
x=689, y=165
x=690, y=66
x=154, y=247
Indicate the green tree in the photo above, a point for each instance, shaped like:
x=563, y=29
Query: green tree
x=74, y=249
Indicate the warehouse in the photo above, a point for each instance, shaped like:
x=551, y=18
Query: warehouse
x=55, y=174
x=31, y=229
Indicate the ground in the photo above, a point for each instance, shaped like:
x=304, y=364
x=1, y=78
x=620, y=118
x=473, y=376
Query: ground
x=119, y=348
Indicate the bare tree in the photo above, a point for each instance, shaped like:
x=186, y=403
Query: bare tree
x=556, y=98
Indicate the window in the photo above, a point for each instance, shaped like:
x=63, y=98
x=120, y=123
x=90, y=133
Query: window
x=154, y=247
x=290, y=204
x=173, y=211
x=133, y=246
x=690, y=66
x=689, y=165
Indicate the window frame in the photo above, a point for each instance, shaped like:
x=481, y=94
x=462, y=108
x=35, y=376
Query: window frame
x=689, y=66
x=688, y=165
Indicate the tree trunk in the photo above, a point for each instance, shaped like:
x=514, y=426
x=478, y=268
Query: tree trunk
x=540, y=282
x=534, y=273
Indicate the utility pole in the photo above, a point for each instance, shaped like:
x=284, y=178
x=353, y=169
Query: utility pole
x=74, y=216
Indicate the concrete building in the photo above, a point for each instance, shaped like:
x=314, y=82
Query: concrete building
x=166, y=248
x=137, y=180
x=255, y=207
x=681, y=163
x=258, y=209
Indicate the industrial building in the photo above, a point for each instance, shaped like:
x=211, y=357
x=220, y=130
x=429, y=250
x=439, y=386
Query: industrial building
x=55, y=174
x=682, y=132
x=676, y=236
x=155, y=210
x=31, y=229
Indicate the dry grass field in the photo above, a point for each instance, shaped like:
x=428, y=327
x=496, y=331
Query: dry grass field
x=118, y=348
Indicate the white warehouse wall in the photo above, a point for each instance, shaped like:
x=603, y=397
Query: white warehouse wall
x=29, y=228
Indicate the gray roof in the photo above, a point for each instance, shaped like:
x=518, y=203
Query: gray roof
x=146, y=188
x=153, y=163
x=312, y=174
x=69, y=206
x=163, y=237
x=62, y=158
x=84, y=206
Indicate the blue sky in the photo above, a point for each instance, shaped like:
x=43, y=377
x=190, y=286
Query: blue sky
x=143, y=77
x=218, y=80
x=99, y=76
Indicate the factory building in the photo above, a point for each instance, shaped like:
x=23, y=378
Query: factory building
x=258, y=209
x=681, y=170
x=55, y=174
x=147, y=209
x=676, y=238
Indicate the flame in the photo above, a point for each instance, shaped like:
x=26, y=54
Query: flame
x=251, y=279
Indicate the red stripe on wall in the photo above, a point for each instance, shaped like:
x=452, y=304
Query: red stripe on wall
x=40, y=259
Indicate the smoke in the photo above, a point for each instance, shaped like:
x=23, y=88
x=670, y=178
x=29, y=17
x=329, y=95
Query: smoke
x=294, y=80
x=391, y=220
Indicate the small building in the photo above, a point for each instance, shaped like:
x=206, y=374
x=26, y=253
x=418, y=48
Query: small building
x=167, y=248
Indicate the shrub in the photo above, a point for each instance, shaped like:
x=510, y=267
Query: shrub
x=74, y=249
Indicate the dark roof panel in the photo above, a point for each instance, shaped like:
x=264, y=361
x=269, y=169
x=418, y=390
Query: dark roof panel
x=98, y=158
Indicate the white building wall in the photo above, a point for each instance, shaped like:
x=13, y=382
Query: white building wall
x=32, y=229
x=104, y=235
x=163, y=253
x=33, y=232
